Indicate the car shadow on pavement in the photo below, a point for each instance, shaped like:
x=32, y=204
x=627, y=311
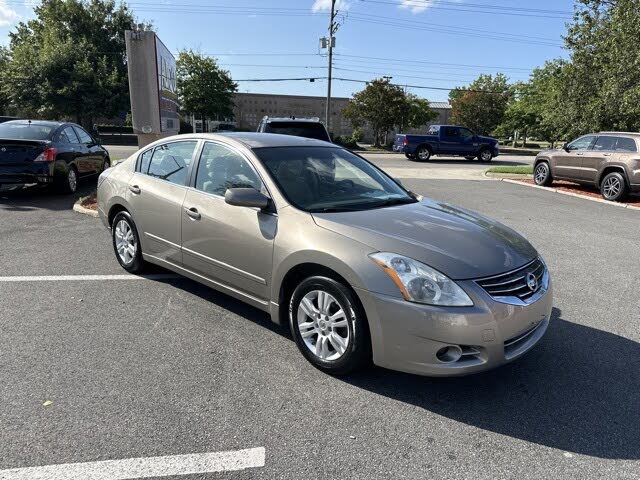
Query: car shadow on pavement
x=453, y=161
x=578, y=391
x=39, y=198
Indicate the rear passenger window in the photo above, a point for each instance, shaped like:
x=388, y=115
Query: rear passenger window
x=145, y=159
x=626, y=145
x=68, y=135
x=605, y=144
x=221, y=168
x=171, y=161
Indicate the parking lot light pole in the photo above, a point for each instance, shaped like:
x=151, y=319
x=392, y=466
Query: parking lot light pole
x=331, y=43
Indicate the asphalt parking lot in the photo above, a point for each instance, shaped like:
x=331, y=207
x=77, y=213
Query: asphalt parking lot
x=163, y=367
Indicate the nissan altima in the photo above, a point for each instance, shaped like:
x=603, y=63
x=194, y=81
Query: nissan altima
x=359, y=268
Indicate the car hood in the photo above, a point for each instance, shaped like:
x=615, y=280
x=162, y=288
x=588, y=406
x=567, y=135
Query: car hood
x=488, y=139
x=457, y=242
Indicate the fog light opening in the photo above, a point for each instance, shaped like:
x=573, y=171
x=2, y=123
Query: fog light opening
x=449, y=354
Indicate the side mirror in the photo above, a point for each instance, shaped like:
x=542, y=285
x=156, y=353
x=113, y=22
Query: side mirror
x=246, y=197
x=565, y=147
x=398, y=181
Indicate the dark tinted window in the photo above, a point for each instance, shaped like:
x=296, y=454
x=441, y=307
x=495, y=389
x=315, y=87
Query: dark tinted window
x=466, y=133
x=626, y=145
x=221, y=168
x=450, y=132
x=67, y=135
x=607, y=144
x=171, y=161
x=25, y=131
x=298, y=129
x=83, y=136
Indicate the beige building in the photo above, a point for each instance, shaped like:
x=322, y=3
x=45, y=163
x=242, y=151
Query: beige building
x=250, y=108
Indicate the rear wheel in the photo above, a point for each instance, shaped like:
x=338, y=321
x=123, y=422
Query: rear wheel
x=542, y=174
x=126, y=243
x=614, y=187
x=329, y=326
x=68, y=183
x=423, y=154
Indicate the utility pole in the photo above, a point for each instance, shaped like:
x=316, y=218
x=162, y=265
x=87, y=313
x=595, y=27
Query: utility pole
x=333, y=28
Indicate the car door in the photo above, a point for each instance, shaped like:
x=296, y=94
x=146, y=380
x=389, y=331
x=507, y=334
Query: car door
x=92, y=152
x=156, y=193
x=450, y=140
x=74, y=152
x=593, y=160
x=229, y=245
x=469, y=142
x=568, y=162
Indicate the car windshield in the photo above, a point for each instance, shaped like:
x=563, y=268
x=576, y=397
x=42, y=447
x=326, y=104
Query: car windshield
x=298, y=129
x=25, y=131
x=325, y=179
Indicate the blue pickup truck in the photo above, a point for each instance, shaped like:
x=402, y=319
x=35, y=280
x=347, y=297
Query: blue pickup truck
x=447, y=140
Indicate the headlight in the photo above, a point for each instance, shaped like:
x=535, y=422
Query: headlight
x=420, y=283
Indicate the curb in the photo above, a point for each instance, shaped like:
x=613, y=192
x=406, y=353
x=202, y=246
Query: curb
x=503, y=176
x=571, y=194
x=85, y=211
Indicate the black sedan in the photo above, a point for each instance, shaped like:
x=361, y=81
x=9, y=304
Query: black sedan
x=48, y=153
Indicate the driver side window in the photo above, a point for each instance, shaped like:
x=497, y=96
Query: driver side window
x=582, y=143
x=221, y=168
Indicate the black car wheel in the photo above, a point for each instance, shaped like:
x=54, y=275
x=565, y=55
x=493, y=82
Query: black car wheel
x=410, y=156
x=485, y=155
x=329, y=326
x=106, y=164
x=126, y=243
x=68, y=183
x=423, y=154
x=614, y=187
x=542, y=174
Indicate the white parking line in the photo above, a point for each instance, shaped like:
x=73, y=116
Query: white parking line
x=82, y=278
x=134, y=468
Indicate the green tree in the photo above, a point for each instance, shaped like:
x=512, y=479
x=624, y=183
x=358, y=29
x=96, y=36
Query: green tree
x=205, y=90
x=384, y=106
x=482, y=105
x=4, y=62
x=70, y=61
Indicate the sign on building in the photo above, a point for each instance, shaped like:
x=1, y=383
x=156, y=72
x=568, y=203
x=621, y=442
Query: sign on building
x=152, y=87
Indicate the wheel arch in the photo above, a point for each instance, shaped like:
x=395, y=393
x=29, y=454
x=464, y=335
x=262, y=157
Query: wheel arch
x=427, y=145
x=610, y=169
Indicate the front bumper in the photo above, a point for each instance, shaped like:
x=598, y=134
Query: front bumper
x=407, y=336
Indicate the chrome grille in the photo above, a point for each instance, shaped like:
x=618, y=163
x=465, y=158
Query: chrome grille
x=514, y=283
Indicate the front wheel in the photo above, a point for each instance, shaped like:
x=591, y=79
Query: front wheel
x=329, y=326
x=485, y=155
x=126, y=243
x=614, y=187
x=542, y=174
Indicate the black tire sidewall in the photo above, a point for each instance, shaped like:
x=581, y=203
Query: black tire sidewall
x=137, y=265
x=623, y=190
x=358, y=351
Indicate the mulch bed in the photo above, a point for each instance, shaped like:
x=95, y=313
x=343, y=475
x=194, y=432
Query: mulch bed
x=583, y=190
x=90, y=202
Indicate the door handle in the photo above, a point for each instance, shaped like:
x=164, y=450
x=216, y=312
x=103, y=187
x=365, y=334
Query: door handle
x=607, y=154
x=579, y=154
x=135, y=189
x=193, y=213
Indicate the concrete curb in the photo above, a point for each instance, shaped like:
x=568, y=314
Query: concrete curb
x=571, y=194
x=85, y=211
x=510, y=176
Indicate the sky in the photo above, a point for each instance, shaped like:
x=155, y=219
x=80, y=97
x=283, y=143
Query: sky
x=440, y=44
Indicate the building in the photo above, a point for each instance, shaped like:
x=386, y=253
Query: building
x=250, y=108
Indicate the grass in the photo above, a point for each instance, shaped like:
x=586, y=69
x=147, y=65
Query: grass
x=514, y=170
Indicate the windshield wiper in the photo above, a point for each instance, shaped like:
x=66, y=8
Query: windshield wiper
x=390, y=202
x=334, y=209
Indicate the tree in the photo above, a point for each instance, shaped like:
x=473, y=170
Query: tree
x=482, y=105
x=70, y=61
x=205, y=90
x=4, y=62
x=384, y=106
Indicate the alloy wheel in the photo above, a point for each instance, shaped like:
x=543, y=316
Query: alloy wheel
x=126, y=245
x=486, y=156
x=424, y=154
x=611, y=187
x=323, y=325
x=72, y=179
x=541, y=173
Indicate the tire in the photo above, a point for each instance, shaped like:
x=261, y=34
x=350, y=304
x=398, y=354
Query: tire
x=126, y=243
x=106, y=164
x=69, y=182
x=485, y=155
x=614, y=187
x=409, y=156
x=542, y=174
x=346, y=345
x=423, y=154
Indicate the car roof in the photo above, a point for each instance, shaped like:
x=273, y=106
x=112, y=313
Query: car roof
x=252, y=140
x=632, y=134
x=35, y=122
x=292, y=119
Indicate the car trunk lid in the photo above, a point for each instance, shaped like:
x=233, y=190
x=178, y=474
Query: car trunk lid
x=17, y=152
